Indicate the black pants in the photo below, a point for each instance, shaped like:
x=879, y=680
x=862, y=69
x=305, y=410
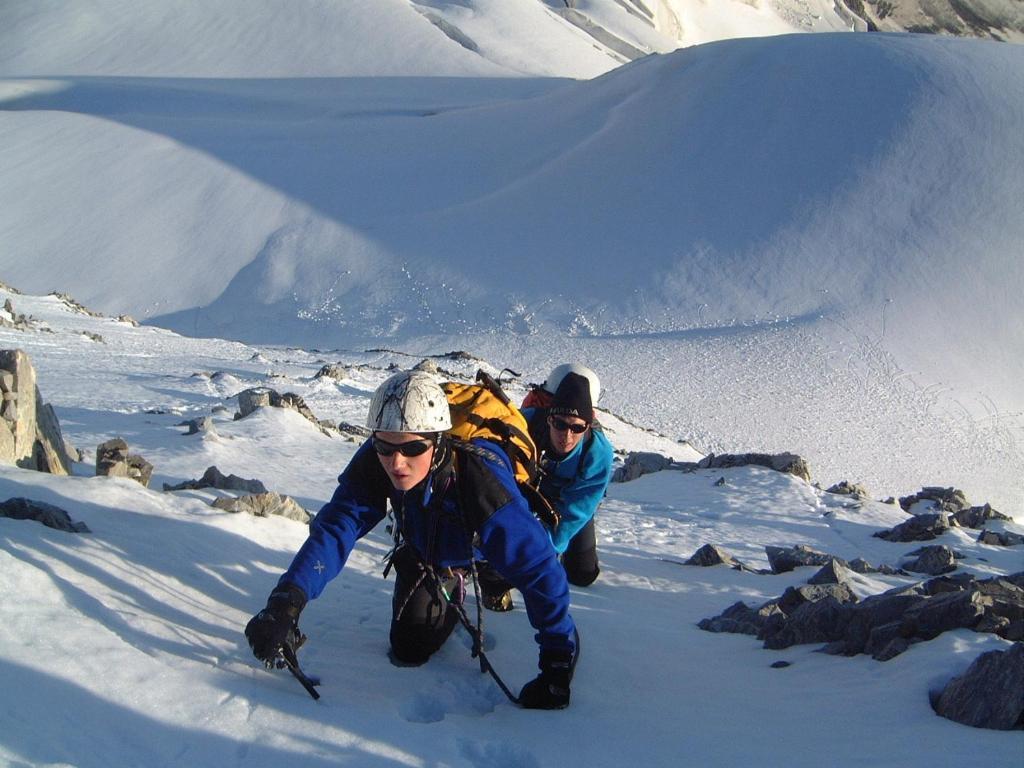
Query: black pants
x=580, y=558
x=421, y=619
x=579, y=561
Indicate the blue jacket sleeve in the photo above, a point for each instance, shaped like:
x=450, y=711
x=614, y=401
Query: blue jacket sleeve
x=358, y=504
x=517, y=545
x=579, y=500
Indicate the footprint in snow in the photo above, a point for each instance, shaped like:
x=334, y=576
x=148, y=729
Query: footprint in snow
x=458, y=697
x=497, y=754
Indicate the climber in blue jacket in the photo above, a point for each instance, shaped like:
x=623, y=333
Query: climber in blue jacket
x=576, y=466
x=453, y=503
x=576, y=462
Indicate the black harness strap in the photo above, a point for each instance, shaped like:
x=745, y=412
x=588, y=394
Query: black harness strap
x=436, y=583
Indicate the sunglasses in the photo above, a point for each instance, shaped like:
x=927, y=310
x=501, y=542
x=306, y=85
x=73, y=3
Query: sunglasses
x=561, y=425
x=410, y=449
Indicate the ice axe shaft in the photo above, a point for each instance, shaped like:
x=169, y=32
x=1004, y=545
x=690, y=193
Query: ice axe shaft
x=286, y=658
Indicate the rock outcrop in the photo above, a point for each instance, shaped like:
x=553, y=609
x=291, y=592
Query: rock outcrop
x=214, y=478
x=640, y=463
x=249, y=400
x=264, y=505
x=47, y=514
x=990, y=694
x=113, y=460
x=785, y=559
x=789, y=463
x=883, y=625
x=709, y=555
x=30, y=434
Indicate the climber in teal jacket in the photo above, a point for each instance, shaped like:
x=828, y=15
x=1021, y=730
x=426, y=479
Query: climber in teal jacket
x=576, y=463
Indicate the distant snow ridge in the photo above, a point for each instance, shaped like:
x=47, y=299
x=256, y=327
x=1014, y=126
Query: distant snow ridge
x=757, y=175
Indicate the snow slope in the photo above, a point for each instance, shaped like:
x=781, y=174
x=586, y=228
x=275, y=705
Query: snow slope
x=123, y=646
x=805, y=243
x=349, y=38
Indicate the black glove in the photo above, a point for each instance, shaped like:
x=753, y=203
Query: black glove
x=550, y=689
x=269, y=630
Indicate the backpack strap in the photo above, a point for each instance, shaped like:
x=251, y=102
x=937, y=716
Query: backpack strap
x=481, y=493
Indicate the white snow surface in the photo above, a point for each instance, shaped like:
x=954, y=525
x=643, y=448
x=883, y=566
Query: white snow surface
x=805, y=243
x=124, y=646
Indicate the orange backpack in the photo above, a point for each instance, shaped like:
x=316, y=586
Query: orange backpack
x=483, y=410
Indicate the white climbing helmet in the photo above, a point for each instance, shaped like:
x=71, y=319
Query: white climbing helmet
x=410, y=401
x=559, y=372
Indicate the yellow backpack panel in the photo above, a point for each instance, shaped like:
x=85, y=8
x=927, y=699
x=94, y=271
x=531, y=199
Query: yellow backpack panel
x=483, y=410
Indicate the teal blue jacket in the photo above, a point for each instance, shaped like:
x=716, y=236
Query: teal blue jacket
x=574, y=483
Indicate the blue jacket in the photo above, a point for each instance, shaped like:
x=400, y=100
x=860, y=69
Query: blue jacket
x=575, y=483
x=472, y=489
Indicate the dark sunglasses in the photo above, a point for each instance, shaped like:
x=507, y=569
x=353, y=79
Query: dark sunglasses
x=410, y=449
x=560, y=425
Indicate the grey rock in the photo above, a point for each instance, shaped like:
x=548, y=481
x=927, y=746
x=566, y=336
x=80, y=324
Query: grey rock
x=833, y=572
x=740, y=618
x=20, y=413
x=334, y=371
x=112, y=458
x=954, y=582
x=918, y=528
x=295, y=403
x=794, y=597
x=931, y=560
x=884, y=625
x=846, y=488
x=943, y=499
x=893, y=648
x=251, y=399
x=976, y=517
x=640, y=463
x=821, y=621
x=74, y=453
x=214, y=478
x=785, y=559
x=1001, y=538
x=264, y=505
x=860, y=565
x=709, y=555
x=990, y=694
x=51, y=452
x=781, y=462
x=874, y=621
x=49, y=515
x=140, y=470
x=6, y=443
x=202, y=425
x=952, y=610
x=75, y=305
x=958, y=18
